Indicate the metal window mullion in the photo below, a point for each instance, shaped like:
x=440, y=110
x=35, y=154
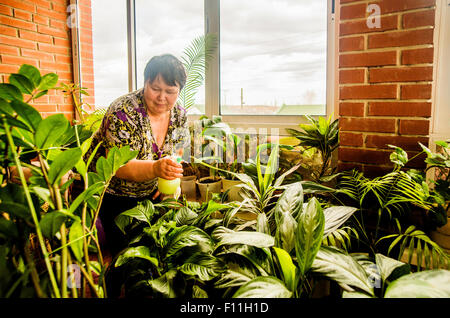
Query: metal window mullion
x=76, y=50
x=131, y=45
x=212, y=85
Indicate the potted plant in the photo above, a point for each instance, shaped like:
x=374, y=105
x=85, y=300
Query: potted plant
x=323, y=135
x=213, y=132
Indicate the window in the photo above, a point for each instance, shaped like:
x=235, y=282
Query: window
x=273, y=57
x=168, y=27
x=274, y=60
x=109, y=33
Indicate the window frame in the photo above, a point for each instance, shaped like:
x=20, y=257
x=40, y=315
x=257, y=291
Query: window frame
x=212, y=82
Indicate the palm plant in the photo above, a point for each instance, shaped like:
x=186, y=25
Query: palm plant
x=391, y=197
x=195, y=59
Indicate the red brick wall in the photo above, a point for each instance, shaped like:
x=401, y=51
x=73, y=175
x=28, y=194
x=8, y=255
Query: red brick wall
x=385, y=81
x=36, y=32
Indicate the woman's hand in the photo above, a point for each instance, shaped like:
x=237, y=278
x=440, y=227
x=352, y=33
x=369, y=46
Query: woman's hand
x=167, y=169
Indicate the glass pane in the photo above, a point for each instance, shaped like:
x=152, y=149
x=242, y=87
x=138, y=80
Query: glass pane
x=168, y=27
x=273, y=57
x=110, y=51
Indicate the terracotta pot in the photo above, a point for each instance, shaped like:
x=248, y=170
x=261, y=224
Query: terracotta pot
x=189, y=187
x=209, y=185
x=233, y=194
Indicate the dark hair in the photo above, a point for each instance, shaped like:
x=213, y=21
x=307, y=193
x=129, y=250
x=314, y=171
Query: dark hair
x=169, y=67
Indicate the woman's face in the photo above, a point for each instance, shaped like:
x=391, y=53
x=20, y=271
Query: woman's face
x=159, y=96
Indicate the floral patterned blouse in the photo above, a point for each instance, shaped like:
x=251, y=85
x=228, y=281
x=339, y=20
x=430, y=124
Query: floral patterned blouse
x=126, y=123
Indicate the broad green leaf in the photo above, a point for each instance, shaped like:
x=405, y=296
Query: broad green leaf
x=49, y=130
x=63, y=163
x=287, y=267
x=272, y=167
x=260, y=258
x=262, y=224
x=10, y=92
x=238, y=276
x=28, y=113
x=136, y=252
x=165, y=284
x=399, y=156
x=143, y=211
x=32, y=73
x=186, y=236
x=85, y=195
x=184, y=216
x=22, y=83
x=426, y=284
x=76, y=243
x=203, y=266
x=342, y=268
x=225, y=236
x=48, y=81
x=263, y=287
x=336, y=216
x=309, y=234
x=51, y=223
x=387, y=266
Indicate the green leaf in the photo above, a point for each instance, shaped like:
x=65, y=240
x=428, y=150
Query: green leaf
x=309, y=234
x=51, y=223
x=49, y=130
x=28, y=113
x=65, y=161
x=399, y=156
x=48, y=81
x=336, y=216
x=238, y=276
x=186, y=236
x=342, y=268
x=387, y=266
x=287, y=267
x=144, y=212
x=76, y=232
x=86, y=195
x=22, y=83
x=263, y=287
x=32, y=73
x=136, y=252
x=165, y=284
x=225, y=236
x=203, y=266
x=426, y=284
x=10, y=92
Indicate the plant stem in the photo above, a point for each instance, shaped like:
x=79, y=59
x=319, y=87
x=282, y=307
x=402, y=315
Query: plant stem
x=32, y=210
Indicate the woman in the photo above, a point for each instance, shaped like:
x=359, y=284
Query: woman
x=149, y=121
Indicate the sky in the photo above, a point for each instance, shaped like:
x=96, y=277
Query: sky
x=274, y=50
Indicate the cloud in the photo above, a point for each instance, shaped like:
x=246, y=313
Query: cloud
x=270, y=46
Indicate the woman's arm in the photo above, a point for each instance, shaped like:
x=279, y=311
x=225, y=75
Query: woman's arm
x=144, y=170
